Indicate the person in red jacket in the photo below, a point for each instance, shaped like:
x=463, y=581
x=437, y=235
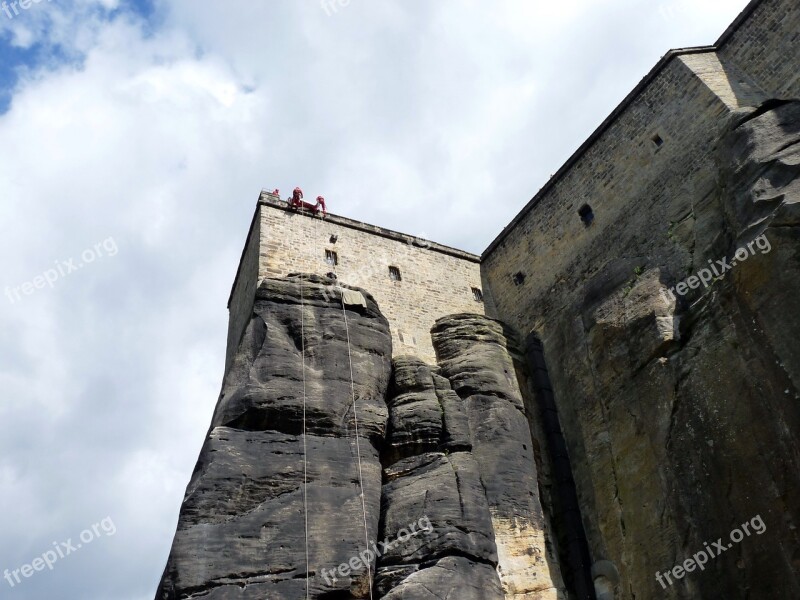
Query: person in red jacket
x=296, y=201
x=297, y=197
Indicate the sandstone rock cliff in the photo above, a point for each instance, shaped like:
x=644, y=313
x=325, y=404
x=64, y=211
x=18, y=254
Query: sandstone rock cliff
x=241, y=532
x=472, y=353
x=682, y=413
x=430, y=472
x=450, y=504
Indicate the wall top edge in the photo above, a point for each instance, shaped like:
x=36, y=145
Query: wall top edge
x=623, y=106
x=583, y=148
x=268, y=199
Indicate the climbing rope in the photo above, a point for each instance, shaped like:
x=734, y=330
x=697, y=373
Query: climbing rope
x=305, y=448
x=358, y=446
x=355, y=420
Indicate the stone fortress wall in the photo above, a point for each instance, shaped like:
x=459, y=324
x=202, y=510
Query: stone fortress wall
x=435, y=280
x=649, y=161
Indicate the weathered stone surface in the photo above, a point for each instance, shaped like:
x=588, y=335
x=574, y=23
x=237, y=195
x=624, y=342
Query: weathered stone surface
x=761, y=196
x=471, y=580
x=415, y=414
x=472, y=354
x=431, y=479
x=447, y=490
x=241, y=532
x=264, y=387
x=682, y=416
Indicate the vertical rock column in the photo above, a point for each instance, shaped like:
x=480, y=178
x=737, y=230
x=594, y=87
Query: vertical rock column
x=241, y=532
x=472, y=353
x=435, y=517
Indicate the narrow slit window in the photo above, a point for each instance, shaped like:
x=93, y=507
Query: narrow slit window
x=519, y=278
x=331, y=258
x=477, y=294
x=586, y=214
x=394, y=274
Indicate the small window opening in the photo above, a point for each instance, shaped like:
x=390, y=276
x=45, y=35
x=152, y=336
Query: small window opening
x=331, y=258
x=658, y=140
x=334, y=239
x=586, y=214
x=394, y=274
x=477, y=294
x=519, y=278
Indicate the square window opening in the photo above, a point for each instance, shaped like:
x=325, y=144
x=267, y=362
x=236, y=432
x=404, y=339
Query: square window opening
x=331, y=258
x=394, y=274
x=586, y=214
x=477, y=294
x=657, y=140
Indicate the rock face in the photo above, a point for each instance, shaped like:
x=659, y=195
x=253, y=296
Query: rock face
x=760, y=165
x=682, y=413
x=431, y=474
x=472, y=353
x=241, y=532
x=444, y=455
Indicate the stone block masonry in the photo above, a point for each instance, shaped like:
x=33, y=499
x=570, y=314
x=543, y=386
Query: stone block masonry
x=434, y=280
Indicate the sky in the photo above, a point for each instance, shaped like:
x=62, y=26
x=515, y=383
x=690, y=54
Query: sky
x=135, y=138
